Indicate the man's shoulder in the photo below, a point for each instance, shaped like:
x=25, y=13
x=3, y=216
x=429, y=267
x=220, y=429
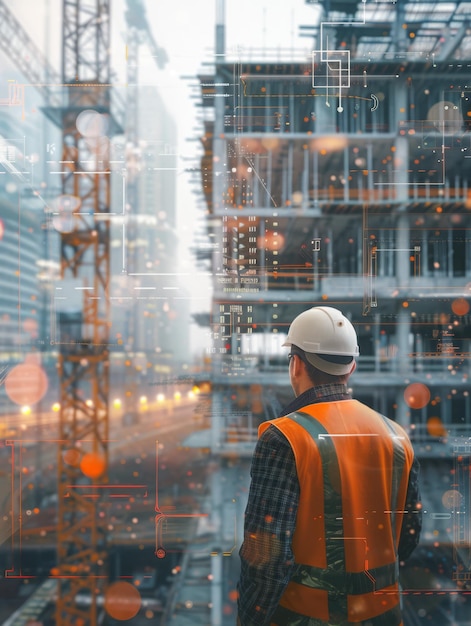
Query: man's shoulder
x=272, y=430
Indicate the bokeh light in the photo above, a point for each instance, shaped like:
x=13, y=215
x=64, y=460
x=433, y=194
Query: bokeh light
x=26, y=384
x=435, y=427
x=445, y=116
x=92, y=465
x=122, y=601
x=72, y=457
x=452, y=499
x=460, y=306
x=92, y=124
x=64, y=208
x=416, y=395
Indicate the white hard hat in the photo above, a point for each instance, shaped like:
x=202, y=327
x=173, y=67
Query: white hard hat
x=324, y=330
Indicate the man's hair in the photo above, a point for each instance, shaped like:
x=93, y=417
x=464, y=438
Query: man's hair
x=317, y=376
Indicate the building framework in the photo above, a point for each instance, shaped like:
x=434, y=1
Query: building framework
x=341, y=177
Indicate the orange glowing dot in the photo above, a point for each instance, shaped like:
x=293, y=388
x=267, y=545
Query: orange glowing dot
x=439, y=209
x=417, y=395
x=92, y=465
x=122, y=600
x=405, y=305
x=435, y=427
x=233, y=595
x=460, y=306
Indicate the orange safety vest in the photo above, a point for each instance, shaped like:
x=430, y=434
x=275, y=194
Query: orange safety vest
x=353, y=468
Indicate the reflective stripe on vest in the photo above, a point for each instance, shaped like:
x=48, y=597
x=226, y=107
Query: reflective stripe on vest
x=397, y=470
x=369, y=597
x=285, y=617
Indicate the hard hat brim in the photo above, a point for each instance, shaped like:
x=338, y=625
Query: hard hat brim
x=336, y=369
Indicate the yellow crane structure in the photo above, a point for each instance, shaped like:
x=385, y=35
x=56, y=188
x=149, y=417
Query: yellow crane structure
x=83, y=111
x=83, y=456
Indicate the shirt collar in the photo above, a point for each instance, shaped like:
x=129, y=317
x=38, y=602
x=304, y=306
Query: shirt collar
x=320, y=393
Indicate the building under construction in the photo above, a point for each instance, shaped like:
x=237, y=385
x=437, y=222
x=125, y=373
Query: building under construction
x=334, y=175
x=341, y=177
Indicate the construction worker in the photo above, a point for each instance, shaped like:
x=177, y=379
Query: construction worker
x=334, y=503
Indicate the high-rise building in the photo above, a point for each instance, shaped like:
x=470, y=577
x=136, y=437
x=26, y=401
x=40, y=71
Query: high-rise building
x=149, y=318
x=24, y=296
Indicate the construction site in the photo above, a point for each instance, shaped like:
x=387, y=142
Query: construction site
x=337, y=173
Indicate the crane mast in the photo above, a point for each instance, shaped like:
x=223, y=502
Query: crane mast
x=84, y=354
x=83, y=114
x=79, y=102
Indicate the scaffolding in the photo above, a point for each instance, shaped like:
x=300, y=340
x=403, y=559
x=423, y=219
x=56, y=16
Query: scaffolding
x=341, y=178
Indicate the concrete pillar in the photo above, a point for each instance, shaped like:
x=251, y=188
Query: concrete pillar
x=330, y=256
x=377, y=342
x=305, y=180
x=370, y=167
x=315, y=175
x=402, y=336
x=399, y=33
x=450, y=253
x=220, y=29
x=402, y=251
x=216, y=588
x=326, y=113
x=219, y=146
x=268, y=189
x=216, y=552
x=257, y=187
x=424, y=254
x=346, y=174
x=290, y=170
x=262, y=258
x=217, y=419
x=401, y=177
x=315, y=264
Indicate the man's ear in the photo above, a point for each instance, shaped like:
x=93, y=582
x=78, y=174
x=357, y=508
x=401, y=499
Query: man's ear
x=354, y=366
x=298, y=365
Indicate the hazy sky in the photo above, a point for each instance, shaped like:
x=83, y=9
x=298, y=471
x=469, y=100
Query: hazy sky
x=185, y=29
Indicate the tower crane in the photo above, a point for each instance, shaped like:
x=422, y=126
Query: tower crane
x=138, y=33
x=83, y=359
x=84, y=362
x=28, y=58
